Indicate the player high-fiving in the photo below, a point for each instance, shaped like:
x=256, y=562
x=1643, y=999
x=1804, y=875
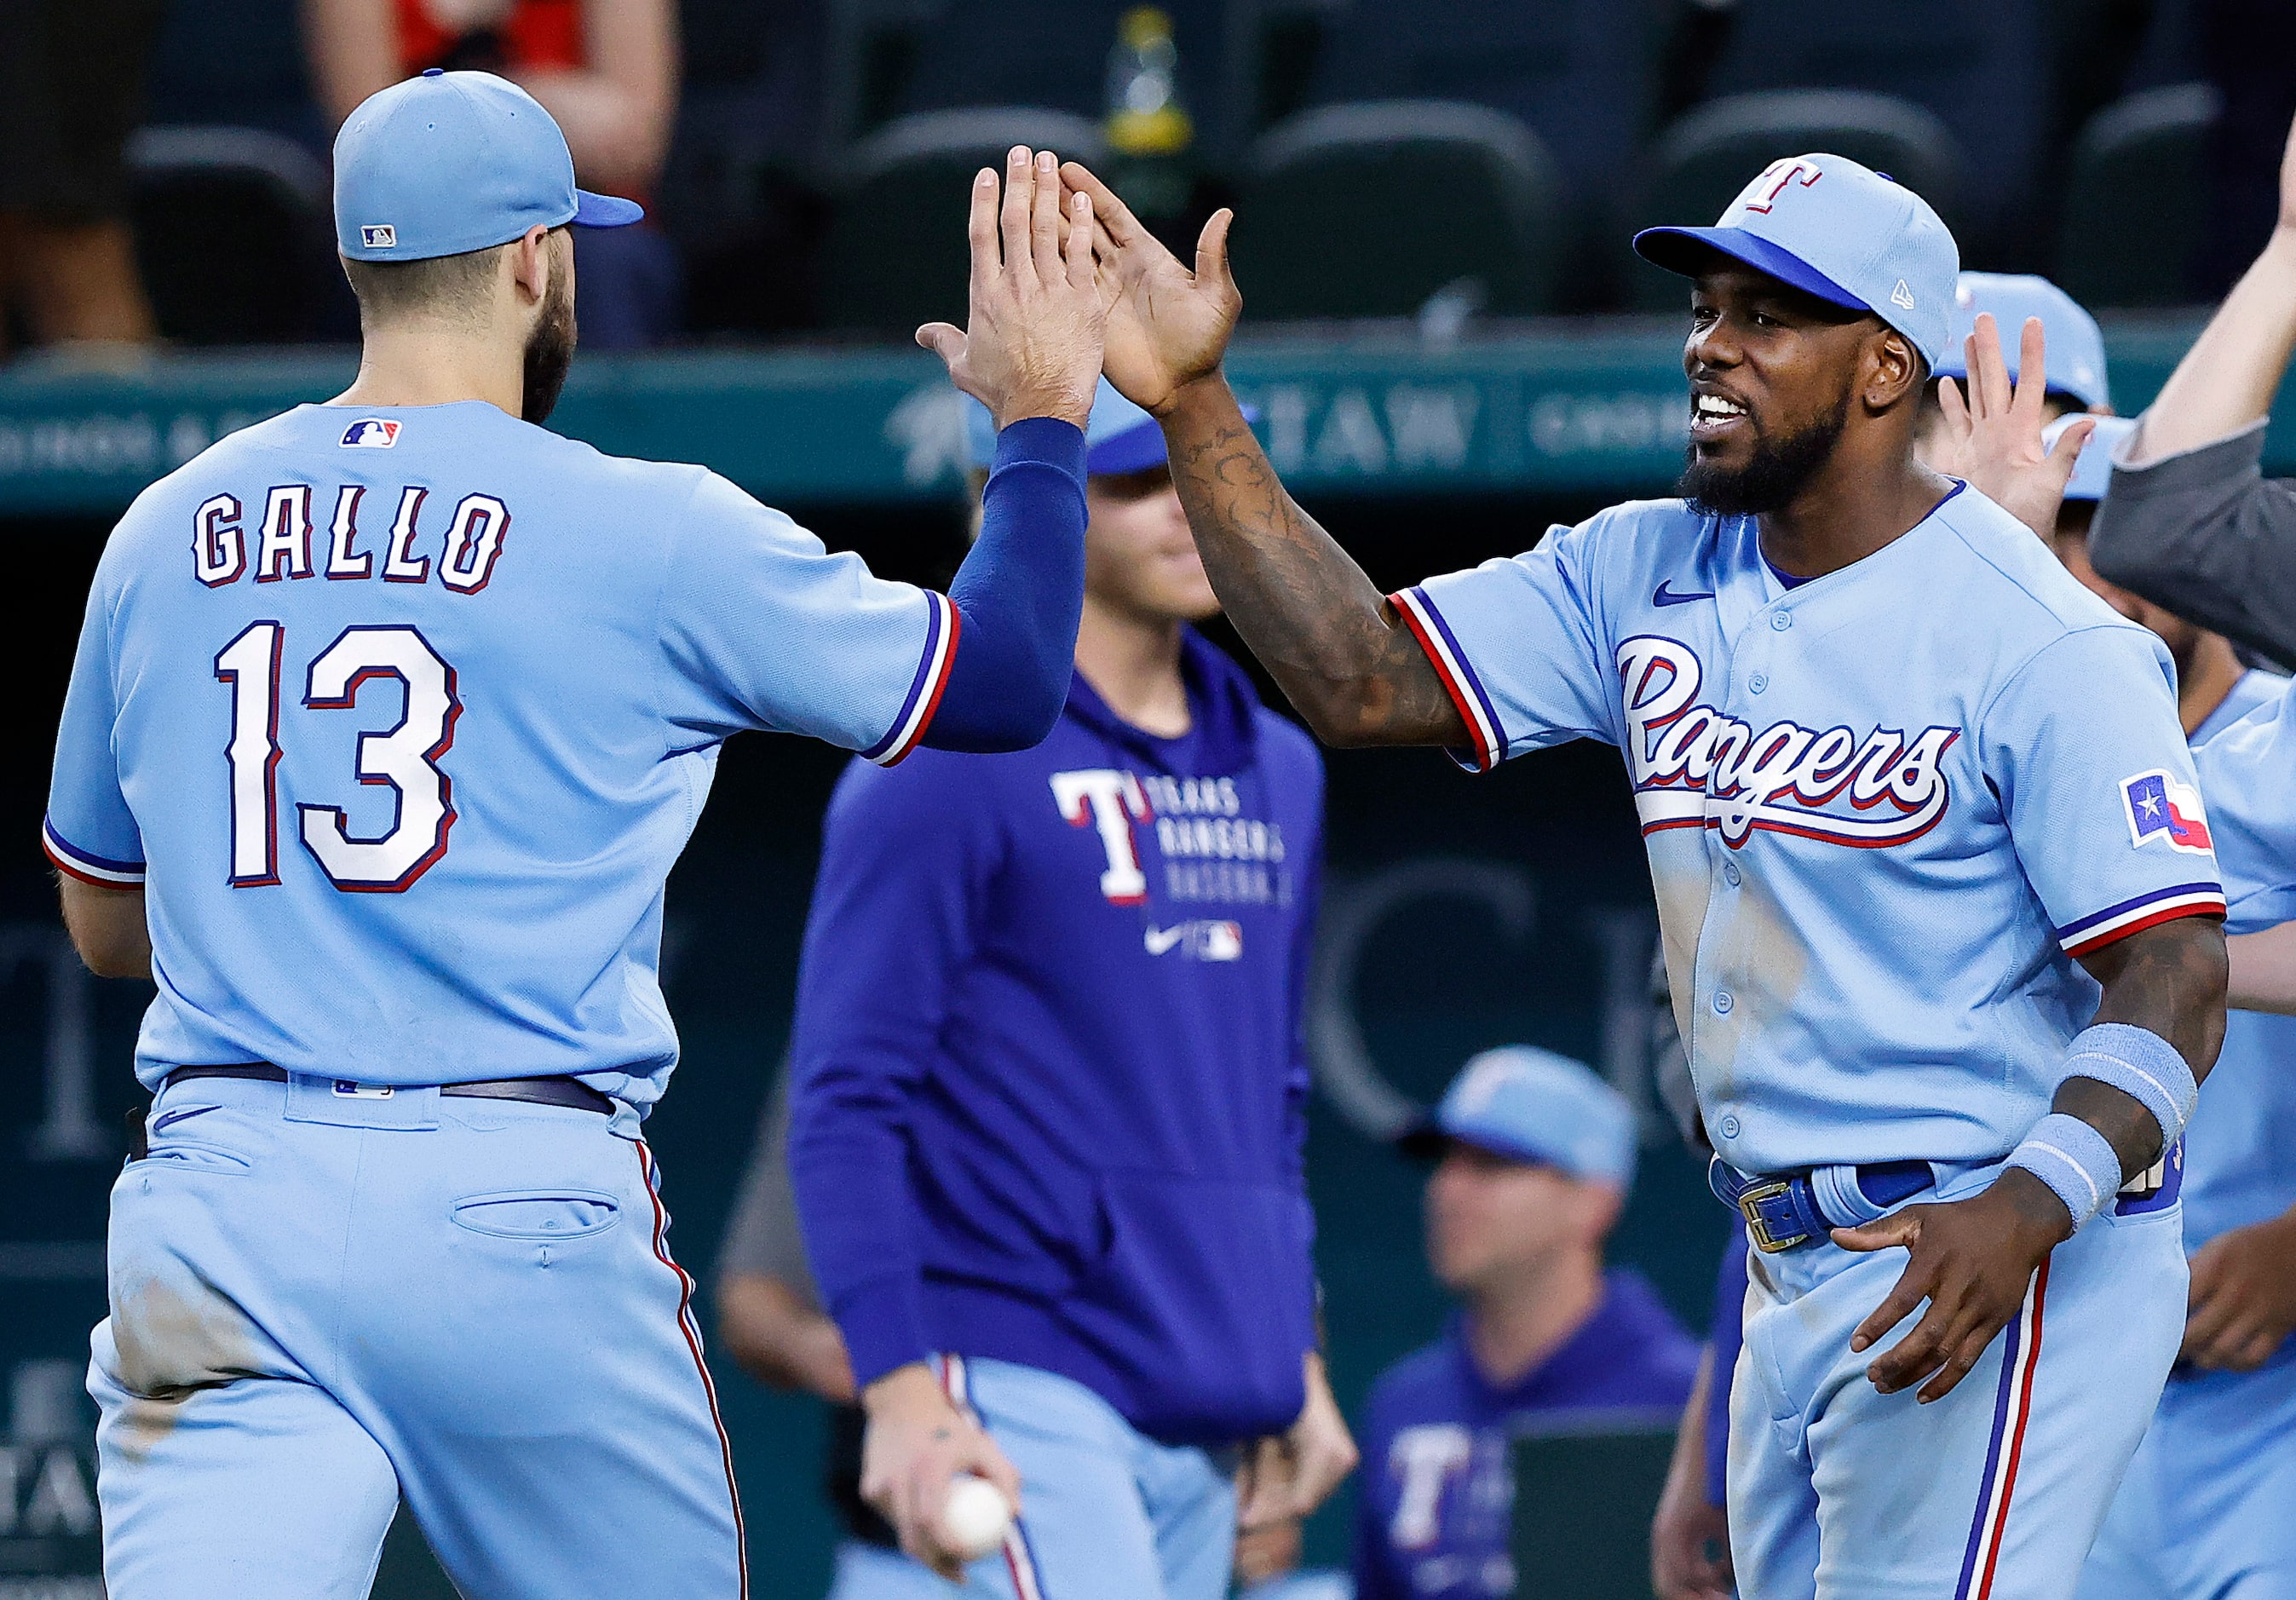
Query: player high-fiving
x=1913, y=800
x=389, y=717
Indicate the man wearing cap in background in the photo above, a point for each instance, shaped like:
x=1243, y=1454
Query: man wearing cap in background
x=1939, y=912
x=2202, y=1512
x=1049, y=1090
x=1537, y=1155
x=389, y=717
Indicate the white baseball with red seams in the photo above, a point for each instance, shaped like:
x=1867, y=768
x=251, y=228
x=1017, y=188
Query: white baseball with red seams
x=977, y=1517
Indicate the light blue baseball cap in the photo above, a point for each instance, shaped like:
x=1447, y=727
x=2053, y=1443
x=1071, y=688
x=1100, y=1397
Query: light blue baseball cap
x=1837, y=230
x=2093, y=473
x=1530, y=1105
x=448, y=162
x=1118, y=436
x=2074, y=345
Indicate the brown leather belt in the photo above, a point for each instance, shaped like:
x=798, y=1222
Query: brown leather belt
x=571, y=1093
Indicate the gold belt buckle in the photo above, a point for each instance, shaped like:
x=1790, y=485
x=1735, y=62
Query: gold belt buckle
x=1757, y=1228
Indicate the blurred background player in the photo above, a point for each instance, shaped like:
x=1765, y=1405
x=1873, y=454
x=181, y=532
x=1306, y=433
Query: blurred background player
x=605, y=69
x=2201, y=1513
x=1535, y=1155
x=1049, y=1094
x=2188, y=521
x=770, y=1321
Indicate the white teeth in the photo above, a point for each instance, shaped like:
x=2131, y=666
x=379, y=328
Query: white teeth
x=1716, y=406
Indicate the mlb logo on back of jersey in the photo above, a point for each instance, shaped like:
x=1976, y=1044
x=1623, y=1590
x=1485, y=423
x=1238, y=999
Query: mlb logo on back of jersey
x=371, y=433
x=2161, y=808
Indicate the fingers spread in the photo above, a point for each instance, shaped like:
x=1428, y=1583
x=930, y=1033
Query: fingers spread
x=1044, y=219
x=1020, y=193
x=1988, y=371
x=980, y=228
x=1079, y=240
x=2032, y=372
x=1957, y=420
x=1114, y=214
x=1966, y=1350
x=1211, y=251
x=1899, y=1228
x=2069, y=444
x=1916, y=1354
x=1913, y=1287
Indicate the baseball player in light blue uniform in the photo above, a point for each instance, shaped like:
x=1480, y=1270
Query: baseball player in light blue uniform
x=389, y=717
x=2203, y=1511
x=1938, y=908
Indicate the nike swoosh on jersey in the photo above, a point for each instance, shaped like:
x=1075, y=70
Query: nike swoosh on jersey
x=1666, y=596
x=1161, y=940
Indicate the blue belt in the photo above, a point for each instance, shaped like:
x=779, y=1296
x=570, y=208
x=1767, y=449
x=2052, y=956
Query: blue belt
x=1801, y=1208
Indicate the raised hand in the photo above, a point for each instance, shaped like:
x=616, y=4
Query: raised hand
x=1167, y=326
x=1032, y=344
x=1994, y=433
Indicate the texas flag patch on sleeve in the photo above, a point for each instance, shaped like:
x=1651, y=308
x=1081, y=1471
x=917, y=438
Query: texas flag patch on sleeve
x=2161, y=808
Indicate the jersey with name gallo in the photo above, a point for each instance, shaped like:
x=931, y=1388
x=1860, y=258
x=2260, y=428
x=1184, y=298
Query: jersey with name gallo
x=1885, y=809
x=400, y=718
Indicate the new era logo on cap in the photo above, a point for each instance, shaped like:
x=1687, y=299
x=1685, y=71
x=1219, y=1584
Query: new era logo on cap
x=371, y=433
x=378, y=235
x=1902, y=296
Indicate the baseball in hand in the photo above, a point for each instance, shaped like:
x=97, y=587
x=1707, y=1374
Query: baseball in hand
x=976, y=1518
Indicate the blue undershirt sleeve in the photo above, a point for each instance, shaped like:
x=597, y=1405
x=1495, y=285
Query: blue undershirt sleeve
x=1019, y=596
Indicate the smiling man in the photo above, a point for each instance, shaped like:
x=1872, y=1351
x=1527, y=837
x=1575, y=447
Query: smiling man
x=1945, y=958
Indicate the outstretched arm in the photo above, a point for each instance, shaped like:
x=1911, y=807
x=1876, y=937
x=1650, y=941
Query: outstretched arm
x=2226, y=381
x=1306, y=610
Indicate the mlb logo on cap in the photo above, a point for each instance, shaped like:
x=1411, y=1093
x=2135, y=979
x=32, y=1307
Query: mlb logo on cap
x=371, y=433
x=2159, y=807
x=378, y=235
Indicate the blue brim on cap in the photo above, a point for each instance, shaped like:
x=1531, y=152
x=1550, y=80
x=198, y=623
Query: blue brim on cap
x=1658, y=247
x=1135, y=449
x=604, y=210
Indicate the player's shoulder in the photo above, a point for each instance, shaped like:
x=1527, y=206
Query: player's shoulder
x=1645, y=532
x=1991, y=560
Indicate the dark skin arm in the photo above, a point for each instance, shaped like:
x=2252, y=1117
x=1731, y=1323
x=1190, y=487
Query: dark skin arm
x=107, y=928
x=1303, y=605
x=1306, y=610
x=1972, y=1259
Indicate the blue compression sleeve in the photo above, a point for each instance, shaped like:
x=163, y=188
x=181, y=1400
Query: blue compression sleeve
x=1019, y=596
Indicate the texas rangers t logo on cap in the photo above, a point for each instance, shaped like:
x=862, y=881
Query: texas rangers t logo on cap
x=2159, y=807
x=371, y=433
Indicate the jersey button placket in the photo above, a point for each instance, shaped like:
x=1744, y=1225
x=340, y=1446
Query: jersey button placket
x=1781, y=620
x=1722, y=1002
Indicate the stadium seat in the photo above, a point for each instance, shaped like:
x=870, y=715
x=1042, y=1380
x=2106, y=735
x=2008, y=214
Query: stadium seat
x=2141, y=158
x=1368, y=211
x=1981, y=66
x=1699, y=164
x=896, y=255
x=235, y=238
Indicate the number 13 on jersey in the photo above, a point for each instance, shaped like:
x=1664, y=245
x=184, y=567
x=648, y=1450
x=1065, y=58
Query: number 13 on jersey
x=404, y=759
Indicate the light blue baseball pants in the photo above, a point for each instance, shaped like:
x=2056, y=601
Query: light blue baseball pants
x=1106, y=1512
x=1993, y=1493
x=2208, y=1511
x=322, y=1300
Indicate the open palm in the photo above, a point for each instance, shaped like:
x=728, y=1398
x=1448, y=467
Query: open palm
x=1166, y=325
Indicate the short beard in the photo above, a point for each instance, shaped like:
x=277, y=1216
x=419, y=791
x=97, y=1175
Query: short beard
x=1773, y=480
x=549, y=352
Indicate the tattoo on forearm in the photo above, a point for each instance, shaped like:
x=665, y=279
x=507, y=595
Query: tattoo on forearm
x=1302, y=604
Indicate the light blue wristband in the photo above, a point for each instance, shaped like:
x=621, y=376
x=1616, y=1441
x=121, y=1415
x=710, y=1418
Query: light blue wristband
x=2141, y=1064
x=2074, y=1160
